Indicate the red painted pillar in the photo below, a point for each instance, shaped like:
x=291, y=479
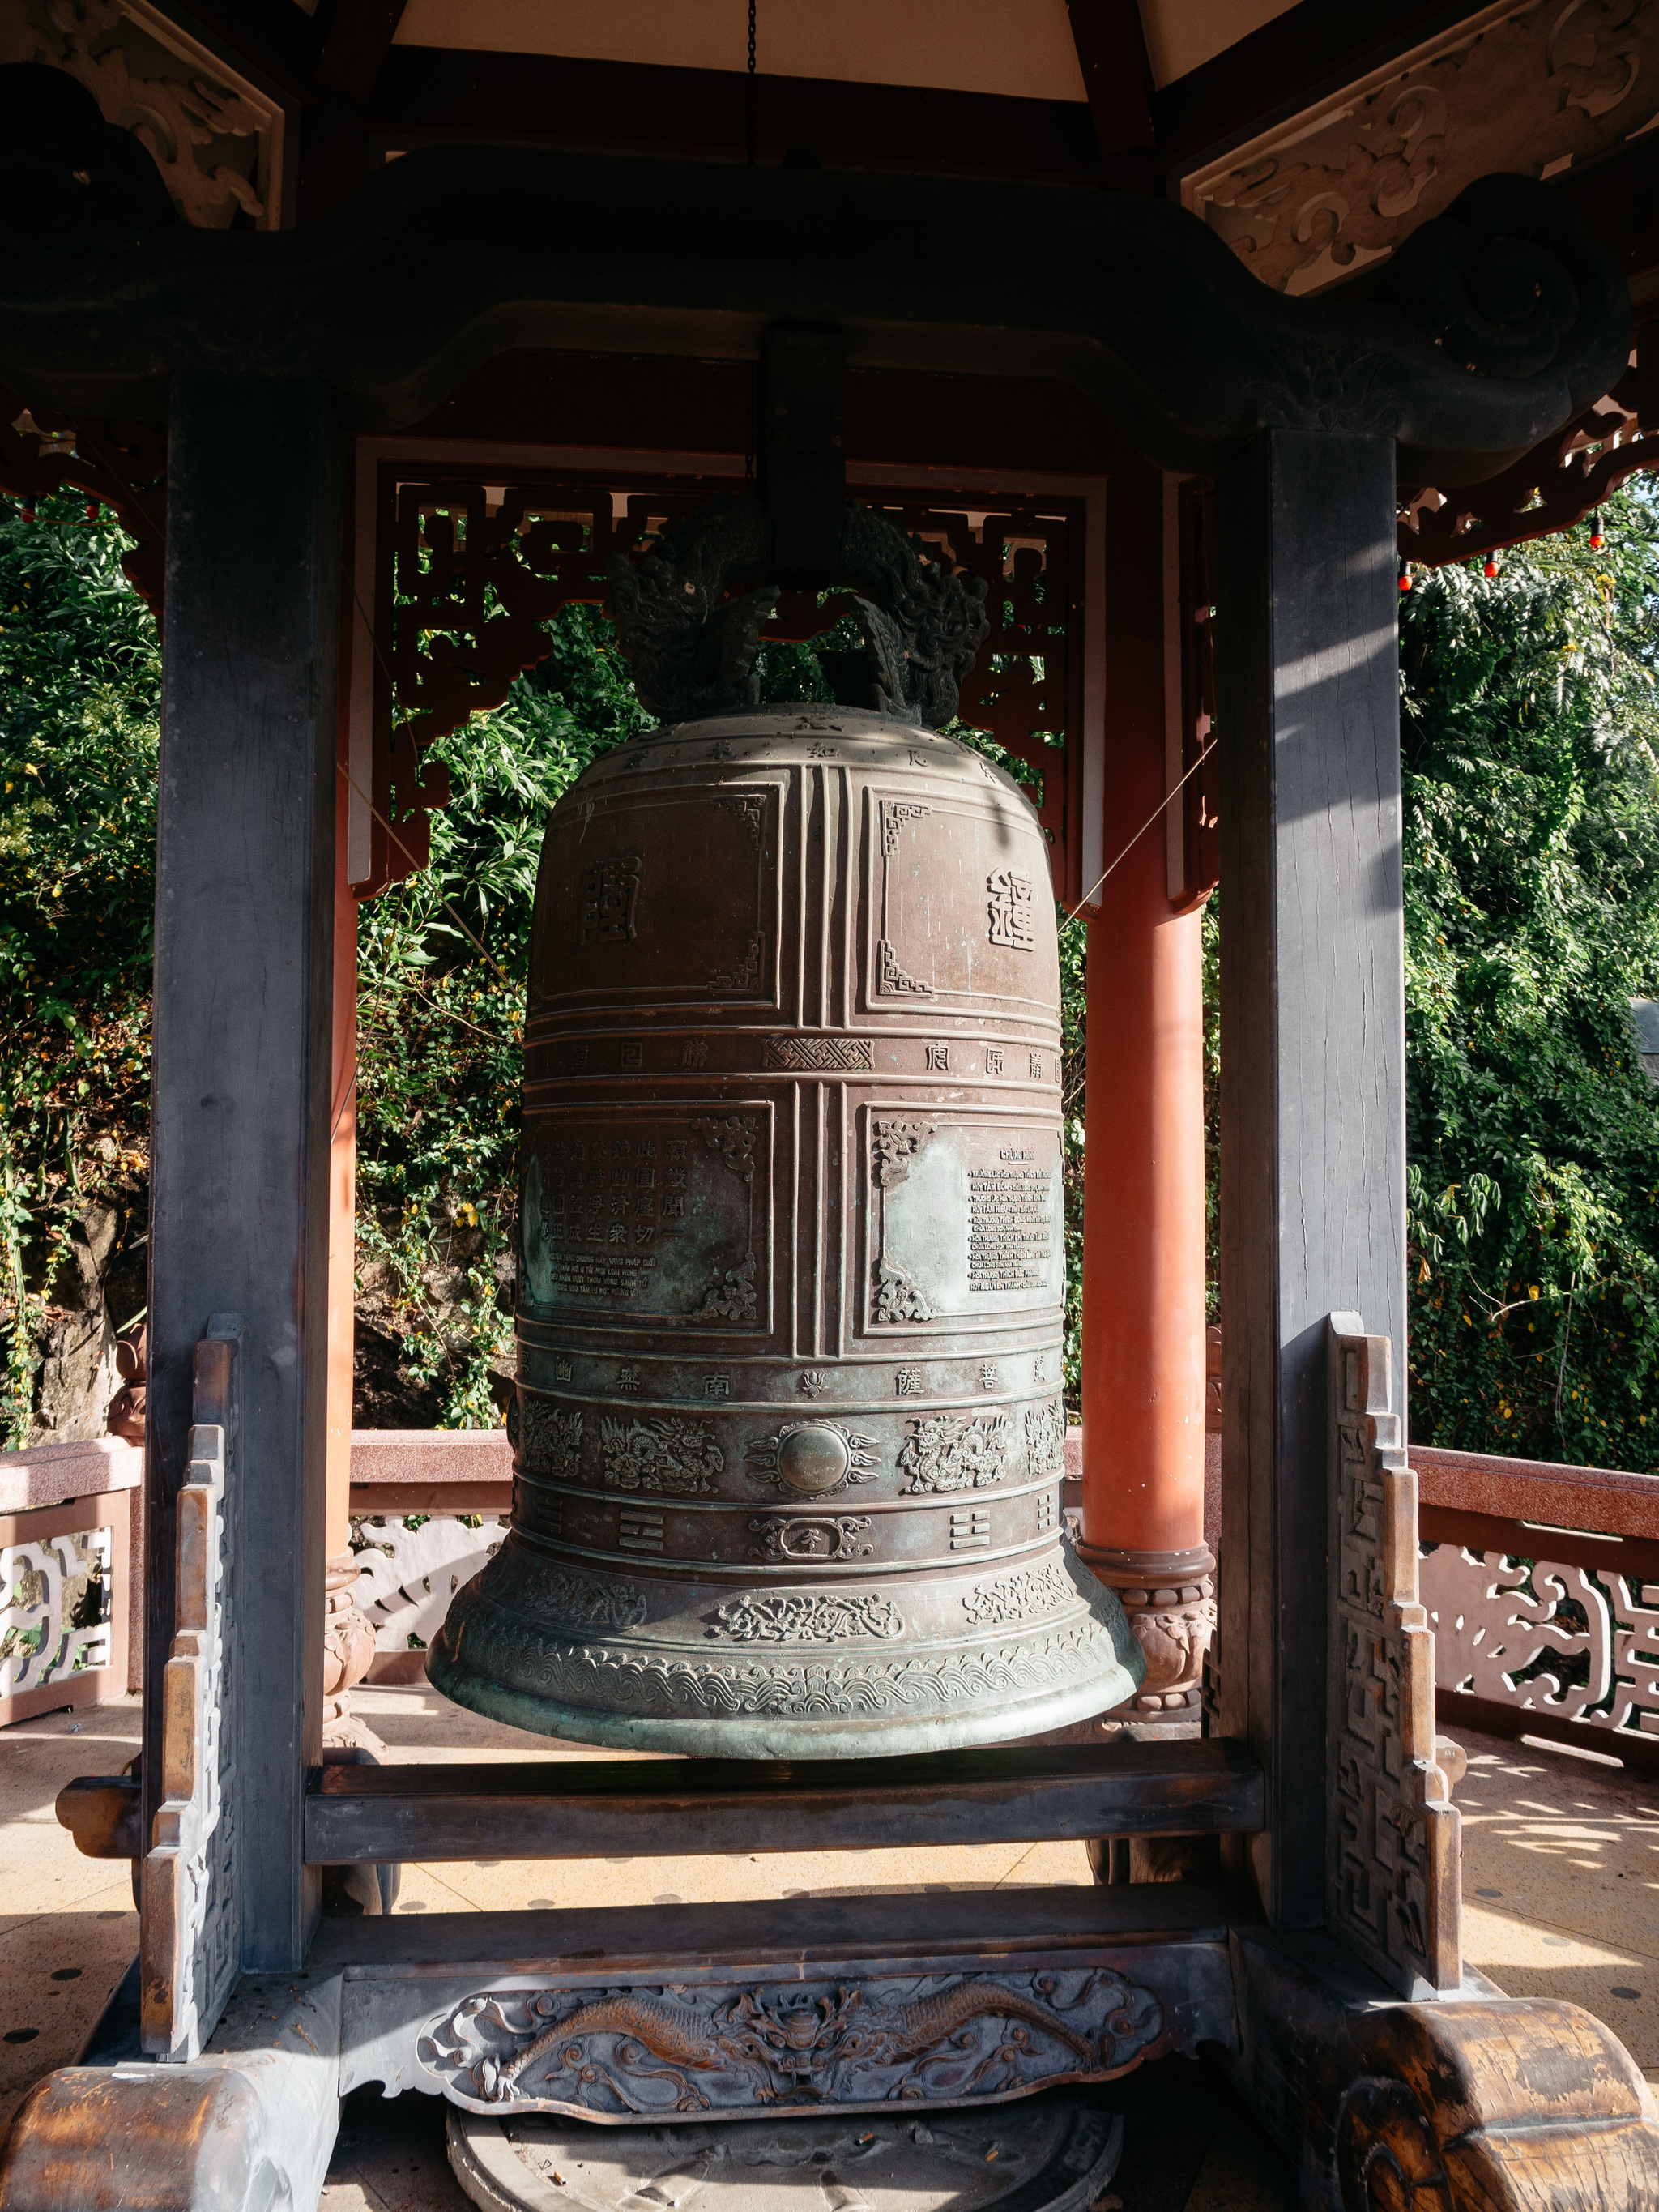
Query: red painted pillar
x=1143, y=1251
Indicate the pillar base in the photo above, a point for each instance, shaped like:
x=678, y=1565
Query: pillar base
x=1168, y=1599
x=348, y=1654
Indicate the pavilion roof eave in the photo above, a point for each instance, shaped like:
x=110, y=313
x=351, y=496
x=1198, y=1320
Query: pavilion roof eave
x=453, y=255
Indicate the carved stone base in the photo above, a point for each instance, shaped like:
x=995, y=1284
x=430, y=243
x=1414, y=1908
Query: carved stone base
x=1055, y=2152
x=1169, y=1600
x=1473, y=2103
x=765, y=2045
x=348, y=1654
x=765, y=2009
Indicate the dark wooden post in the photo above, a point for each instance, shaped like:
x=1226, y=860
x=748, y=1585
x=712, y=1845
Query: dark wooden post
x=1312, y=1085
x=244, y=918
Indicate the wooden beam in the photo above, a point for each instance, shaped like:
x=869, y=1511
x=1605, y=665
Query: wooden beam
x=403, y=1980
x=1313, y=1108
x=653, y=1809
x=355, y=45
x=244, y=911
x=1111, y=52
x=431, y=94
x=374, y=1952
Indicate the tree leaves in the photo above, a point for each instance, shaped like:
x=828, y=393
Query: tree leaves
x=1531, y=747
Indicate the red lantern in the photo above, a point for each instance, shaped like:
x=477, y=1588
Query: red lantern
x=1405, y=576
x=1597, y=540
x=1491, y=568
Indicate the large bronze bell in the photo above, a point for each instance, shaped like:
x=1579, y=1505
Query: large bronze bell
x=788, y=1432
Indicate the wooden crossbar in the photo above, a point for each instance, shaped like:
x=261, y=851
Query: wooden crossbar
x=674, y=1808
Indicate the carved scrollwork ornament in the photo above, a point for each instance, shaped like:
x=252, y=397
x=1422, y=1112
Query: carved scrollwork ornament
x=642, y=2051
x=1498, y=282
x=688, y=616
x=1387, y=2158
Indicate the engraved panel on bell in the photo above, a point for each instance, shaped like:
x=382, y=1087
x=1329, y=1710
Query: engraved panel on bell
x=788, y=1437
x=611, y=927
x=1010, y=1227
x=953, y=920
x=975, y=1226
x=650, y=1215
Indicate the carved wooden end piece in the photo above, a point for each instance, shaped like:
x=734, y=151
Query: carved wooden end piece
x=1463, y=2099
x=1484, y=2104
x=190, y=1938
x=1393, y=1855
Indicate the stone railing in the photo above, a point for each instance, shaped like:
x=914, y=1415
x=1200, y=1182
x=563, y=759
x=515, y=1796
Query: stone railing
x=428, y=1506
x=1542, y=1586
x=1565, y=1647
x=72, y=1575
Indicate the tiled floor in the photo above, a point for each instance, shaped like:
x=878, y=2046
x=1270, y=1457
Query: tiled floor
x=1561, y=1879
x=1561, y=1883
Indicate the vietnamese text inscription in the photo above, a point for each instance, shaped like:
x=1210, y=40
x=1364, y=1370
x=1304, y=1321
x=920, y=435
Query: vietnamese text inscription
x=1010, y=1224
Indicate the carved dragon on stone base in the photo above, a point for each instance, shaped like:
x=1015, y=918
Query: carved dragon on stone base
x=942, y=2039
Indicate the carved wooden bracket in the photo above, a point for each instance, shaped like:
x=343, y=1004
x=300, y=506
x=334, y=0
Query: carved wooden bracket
x=1536, y=91
x=1553, y=486
x=123, y=465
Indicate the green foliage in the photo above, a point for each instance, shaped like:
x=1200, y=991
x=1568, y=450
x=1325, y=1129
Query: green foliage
x=442, y=960
x=1531, y=743
x=80, y=687
x=1532, y=872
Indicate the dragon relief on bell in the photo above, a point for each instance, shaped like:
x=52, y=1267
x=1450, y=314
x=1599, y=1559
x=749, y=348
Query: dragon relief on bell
x=956, y=1451
x=677, y=1457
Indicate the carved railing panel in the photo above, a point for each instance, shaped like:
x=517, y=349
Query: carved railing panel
x=1552, y=1641
x=1393, y=1881
x=190, y=1930
x=56, y=1609
x=408, y=1574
